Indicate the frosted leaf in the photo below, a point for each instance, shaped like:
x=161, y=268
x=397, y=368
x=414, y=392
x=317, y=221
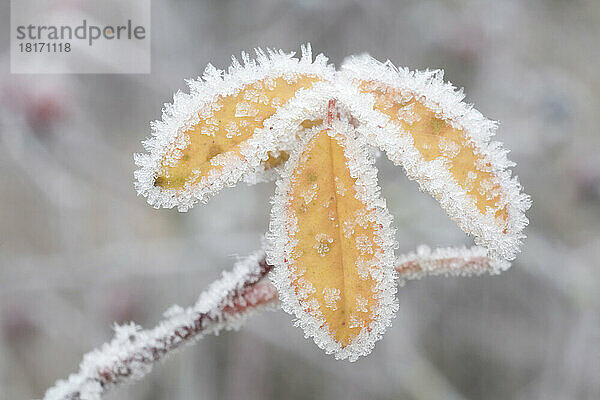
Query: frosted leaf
x=330, y=238
x=229, y=113
x=446, y=148
x=331, y=158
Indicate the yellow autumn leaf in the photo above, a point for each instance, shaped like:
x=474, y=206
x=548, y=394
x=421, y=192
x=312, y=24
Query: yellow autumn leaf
x=435, y=138
x=443, y=143
x=223, y=126
x=202, y=144
x=334, y=263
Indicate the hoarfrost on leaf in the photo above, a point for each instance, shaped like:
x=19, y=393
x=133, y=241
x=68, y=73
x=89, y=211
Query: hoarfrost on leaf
x=339, y=187
x=406, y=113
x=348, y=228
x=309, y=194
x=363, y=268
x=323, y=243
x=364, y=245
x=244, y=109
x=361, y=303
x=331, y=297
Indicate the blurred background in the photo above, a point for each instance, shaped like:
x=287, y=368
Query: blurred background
x=79, y=251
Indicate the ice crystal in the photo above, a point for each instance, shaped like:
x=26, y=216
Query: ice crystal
x=348, y=228
x=363, y=244
x=309, y=194
x=323, y=243
x=339, y=187
x=363, y=268
x=331, y=297
x=406, y=113
x=361, y=304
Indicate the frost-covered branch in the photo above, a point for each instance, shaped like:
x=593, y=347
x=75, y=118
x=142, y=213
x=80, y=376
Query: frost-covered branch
x=226, y=304
x=133, y=351
x=449, y=261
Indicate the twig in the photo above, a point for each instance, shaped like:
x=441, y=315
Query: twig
x=449, y=261
x=226, y=304
x=133, y=351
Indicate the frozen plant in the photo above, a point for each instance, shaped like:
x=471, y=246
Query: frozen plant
x=331, y=242
x=309, y=126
